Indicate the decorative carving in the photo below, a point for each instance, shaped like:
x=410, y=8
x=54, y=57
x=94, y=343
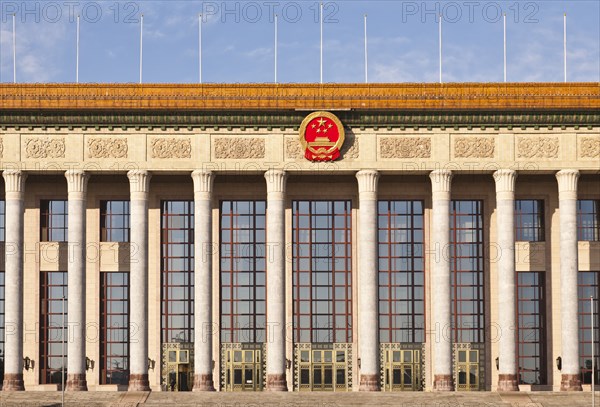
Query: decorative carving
x=45, y=147
x=350, y=150
x=589, y=147
x=537, y=147
x=239, y=148
x=171, y=147
x=293, y=150
x=405, y=147
x=474, y=147
x=107, y=148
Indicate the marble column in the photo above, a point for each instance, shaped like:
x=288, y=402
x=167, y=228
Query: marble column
x=203, y=251
x=139, y=186
x=505, y=228
x=368, y=288
x=567, y=198
x=14, y=181
x=441, y=181
x=77, y=181
x=276, y=361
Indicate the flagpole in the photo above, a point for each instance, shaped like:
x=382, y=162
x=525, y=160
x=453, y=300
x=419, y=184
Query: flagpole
x=440, y=42
x=14, y=48
x=504, y=47
x=565, y=45
x=200, y=48
x=141, y=45
x=321, y=23
x=275, y=48
x=366, y=54
x=77, y=58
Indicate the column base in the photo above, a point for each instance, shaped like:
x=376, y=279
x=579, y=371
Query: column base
x=76, y=382
x=138, y=382
x=443, y=382
x=13, y=382
x=203, y=382
x=508, y=382
x=276, y=382
x=570, y=382
x=369, y=382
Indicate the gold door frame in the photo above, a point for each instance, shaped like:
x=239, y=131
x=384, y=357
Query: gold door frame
x=407, y=361
x=177, y=367
x=323, y=367
x=469, y=366
x=243, y=359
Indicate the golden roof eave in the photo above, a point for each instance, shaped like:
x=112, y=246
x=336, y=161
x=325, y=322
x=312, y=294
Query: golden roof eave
x=235, y=97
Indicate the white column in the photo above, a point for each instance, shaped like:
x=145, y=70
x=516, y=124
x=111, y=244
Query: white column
x=203, y=251
x=14, y=181
x=276, y=363
x=441, y=181
x=139, y=185
x=368, y=315
x=505, y=226
x=567, y=198
x=77, y=181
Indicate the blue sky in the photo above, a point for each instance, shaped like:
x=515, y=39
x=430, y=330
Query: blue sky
x=238, y=41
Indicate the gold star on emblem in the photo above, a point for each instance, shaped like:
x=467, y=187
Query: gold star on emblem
x=322, y=121
x=318, y=130
x=314, y=125
x=325, y=131
x=330, y=125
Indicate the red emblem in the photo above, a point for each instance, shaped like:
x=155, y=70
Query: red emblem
x=321, y=136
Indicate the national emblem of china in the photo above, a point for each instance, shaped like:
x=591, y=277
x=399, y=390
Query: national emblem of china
x=321, y=136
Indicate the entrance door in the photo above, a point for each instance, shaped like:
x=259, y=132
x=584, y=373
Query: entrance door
x=178, y=358
x=402, y=370
x=243, y=368
x=467, y=370
x=323, y=369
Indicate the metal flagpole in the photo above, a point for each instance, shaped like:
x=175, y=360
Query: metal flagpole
x=14, y=48
x=141, y=45
x=593, y=362
x=321, y=23
x=366, y=54
x=200, y=48
x=275, y=47
x=77, y=58
x=63, y=353
x=504, y=47
x=440, y=41
x=565, y=45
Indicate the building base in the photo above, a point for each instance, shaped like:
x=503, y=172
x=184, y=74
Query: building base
x=276, y=382
x=76, y=382
x=507, y=382
x=369, y=382
x=13, y=382
x=203, y=382
x=138, y=382
x=570, y=382
x=443, y=382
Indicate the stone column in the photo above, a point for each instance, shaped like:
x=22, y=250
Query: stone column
x=505, y=226
x=77, y=187
x=276, y=363
x=441, y=181
x=368, y=288
x=14, y=181
x=567, y=197
x=203, y=251
x=139, y=186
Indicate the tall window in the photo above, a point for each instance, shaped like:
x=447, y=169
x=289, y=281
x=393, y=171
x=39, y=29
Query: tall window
x=52, y=289
x=529, y=220
x=531, y=331
x=466, y=252
x=114, y=328
x=177, y=266
x=588, y=219
x=2, y=313
x=322, y=271
x=243, y=316
x=53, y=220
x=114, y=221
x=401, y=272
x=588, y=287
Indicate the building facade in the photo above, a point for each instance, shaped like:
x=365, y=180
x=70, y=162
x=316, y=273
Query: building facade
x=180, y=237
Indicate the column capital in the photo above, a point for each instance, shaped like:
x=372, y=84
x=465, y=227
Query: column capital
x=203, y=183
x=14, y=184
x=276, y=183
x=505, y=184
x=77, y=181
x=367, y=182
x=441, y=182
x=139, y=183
x=567, y=183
